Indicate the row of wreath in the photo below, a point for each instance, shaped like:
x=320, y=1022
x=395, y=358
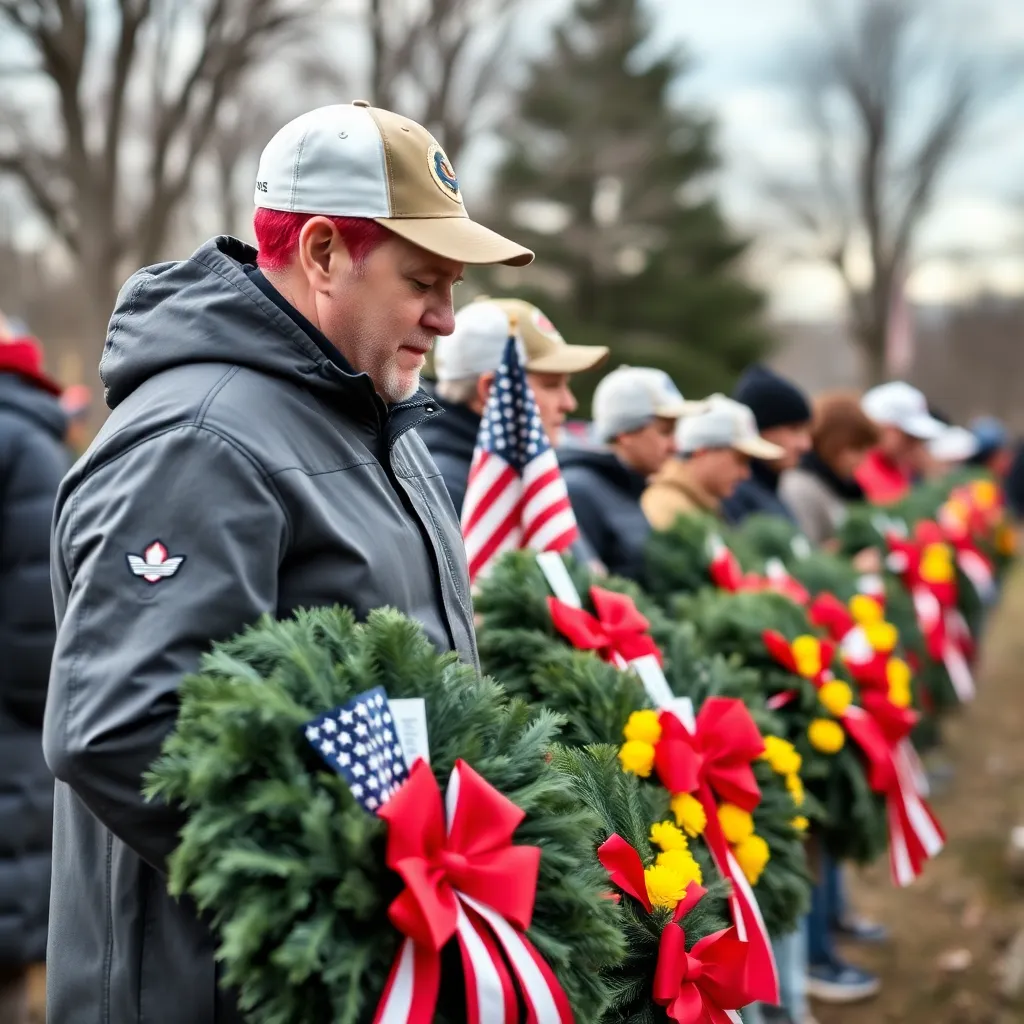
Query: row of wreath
x=615, y=830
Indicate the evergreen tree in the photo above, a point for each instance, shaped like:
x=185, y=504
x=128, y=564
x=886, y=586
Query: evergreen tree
x=644, y=262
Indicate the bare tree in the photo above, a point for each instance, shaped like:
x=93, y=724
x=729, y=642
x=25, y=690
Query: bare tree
x=887, y=109
x=106, y=138
x=444, y=62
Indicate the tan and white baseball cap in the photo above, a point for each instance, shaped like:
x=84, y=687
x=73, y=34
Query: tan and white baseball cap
x=724, y=423
x=482, y=329
x=354, y=160
x=630, y=397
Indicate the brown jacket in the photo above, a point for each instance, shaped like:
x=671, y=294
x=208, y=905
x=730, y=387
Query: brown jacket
x=673, y=492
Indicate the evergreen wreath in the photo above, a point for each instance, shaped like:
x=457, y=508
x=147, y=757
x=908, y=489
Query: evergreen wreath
x=848, y=816
x=291, y=870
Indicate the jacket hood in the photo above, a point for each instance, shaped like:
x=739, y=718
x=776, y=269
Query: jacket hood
x=606, y=465
x=454, y=433
x=207, y=309
x=33, y=403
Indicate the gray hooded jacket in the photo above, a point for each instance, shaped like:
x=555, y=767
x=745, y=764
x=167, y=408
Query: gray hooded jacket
x=252, y=474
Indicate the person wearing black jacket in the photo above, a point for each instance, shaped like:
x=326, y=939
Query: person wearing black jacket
x=32, y=461
x=783, y=415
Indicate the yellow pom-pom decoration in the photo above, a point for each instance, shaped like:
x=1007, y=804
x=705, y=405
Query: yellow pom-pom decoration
x=737, y=824
x=683, y=863
x=795, y=785
x=865, y=609
x=752, y=855
x=800, y=823
x=637, y=758
x=665, y=885
x=985, y=493
x=882, y=636
x=826, y=736
x=836, y=696
x=897, y=673
x=807, y=654
x=689, y=813
x=643, y=726
x=781, y=755
x=667, y=836
x=937, y=564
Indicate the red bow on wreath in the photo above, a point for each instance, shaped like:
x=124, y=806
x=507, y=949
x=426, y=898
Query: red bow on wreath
x=926, y=566
x=714, y=763
x=618, y=632
x=701, y=986
x=880, y=729
x=867, y=665
x=465, y=879
x=727, y=575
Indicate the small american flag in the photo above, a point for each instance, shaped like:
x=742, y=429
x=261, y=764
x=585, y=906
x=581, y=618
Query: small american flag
x=360, y=742
x=515, y=497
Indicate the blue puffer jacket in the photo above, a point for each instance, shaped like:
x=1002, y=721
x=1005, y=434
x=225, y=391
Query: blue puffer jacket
x=32, y=461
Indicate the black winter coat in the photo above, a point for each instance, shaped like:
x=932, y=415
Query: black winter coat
x=32, y=461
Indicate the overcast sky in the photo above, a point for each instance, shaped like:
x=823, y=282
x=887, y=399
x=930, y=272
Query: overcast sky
x=740, y=47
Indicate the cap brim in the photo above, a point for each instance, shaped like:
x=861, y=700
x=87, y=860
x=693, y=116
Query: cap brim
x=459, y=239
x=759, y=448
x=676, y=410
x=923, y=427
x=569, y=359
x=955, y=444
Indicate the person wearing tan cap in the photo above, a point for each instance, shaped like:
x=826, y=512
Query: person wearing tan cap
x=714, y=448
x=465, y=363
x=261, y=455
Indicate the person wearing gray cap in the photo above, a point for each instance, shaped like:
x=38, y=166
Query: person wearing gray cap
x=635, y=410
x=714, y=448
x=465, y=363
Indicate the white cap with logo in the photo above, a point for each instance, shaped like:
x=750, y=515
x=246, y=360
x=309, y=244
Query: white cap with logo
x=354, y=160
x=630, y=397
x=724, y=423
x=482, y=330
x=898, y=404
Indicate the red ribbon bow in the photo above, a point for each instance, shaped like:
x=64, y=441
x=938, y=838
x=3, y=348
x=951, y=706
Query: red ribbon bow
x=463, y=879
x=696, y=987
x=727, y=574
x=866, y=665
x=714, y=763
x=619, y=632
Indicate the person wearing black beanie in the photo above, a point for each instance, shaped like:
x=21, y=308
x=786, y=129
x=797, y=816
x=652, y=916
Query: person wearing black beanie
x=783, y=415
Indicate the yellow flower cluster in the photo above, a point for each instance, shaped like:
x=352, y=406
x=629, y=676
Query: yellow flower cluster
x=781, y=755
x=689, y=814
x=1006, y=540
x=826, y=736
x=674, y=869
x=985, y=493
x=865, y=610
x=642, y=732
x=937, y=564
x=883, y=636
x=807, y=655
x=752, y=855
x=898, y=675
x=737, y=824
x=800, y=823
x=795, y=785
x=836, y=696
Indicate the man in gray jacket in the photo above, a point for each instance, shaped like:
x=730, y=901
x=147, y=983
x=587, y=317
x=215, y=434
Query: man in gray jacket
x=261, y=456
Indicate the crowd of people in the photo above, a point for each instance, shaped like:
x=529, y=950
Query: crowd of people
x=269, y=448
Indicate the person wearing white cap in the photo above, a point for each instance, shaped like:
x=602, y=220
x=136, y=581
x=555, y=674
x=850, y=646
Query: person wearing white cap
x=714, y=448
x=905, y=425
x=465, y=363
x=635, y=410
x=261, y=456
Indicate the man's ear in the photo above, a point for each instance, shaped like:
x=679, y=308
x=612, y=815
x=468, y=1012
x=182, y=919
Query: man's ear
x=319, y=244
x=484, y=383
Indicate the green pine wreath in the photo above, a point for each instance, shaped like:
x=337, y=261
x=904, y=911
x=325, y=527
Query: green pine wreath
x=291, y=870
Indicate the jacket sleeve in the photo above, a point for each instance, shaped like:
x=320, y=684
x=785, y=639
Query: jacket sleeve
x=663, y=505
x=33, y=464
x=808, y=502
x=125, y=642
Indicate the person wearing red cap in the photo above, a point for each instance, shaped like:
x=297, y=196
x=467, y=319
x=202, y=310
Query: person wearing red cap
x=32, y=462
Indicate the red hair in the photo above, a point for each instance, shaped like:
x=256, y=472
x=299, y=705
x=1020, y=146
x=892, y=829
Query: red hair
x=277, y=235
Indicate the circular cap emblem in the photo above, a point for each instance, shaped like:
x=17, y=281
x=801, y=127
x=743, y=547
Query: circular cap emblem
x=545, y=326
x=443, y=173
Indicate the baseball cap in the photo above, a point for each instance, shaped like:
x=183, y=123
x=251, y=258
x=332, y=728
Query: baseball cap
x=354, y=160
x=954, y=444
x=631, y=396
x=898, y=404
x=724, y=423
x=483, y=327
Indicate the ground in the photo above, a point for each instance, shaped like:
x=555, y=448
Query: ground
x=951, y=931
